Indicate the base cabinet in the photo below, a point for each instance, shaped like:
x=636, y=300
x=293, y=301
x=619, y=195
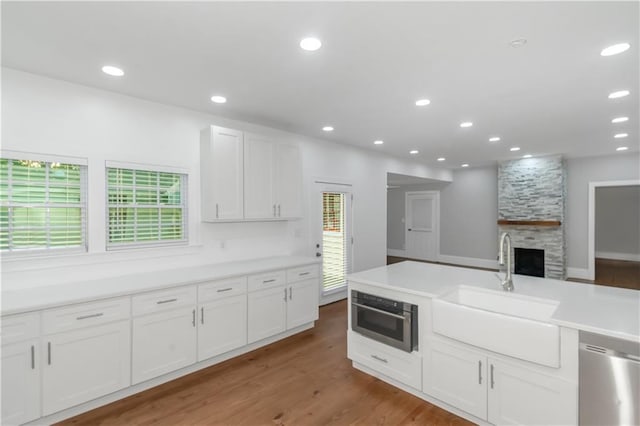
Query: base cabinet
x=223, y=326
x=496, y=391
x=20, y=382
x=84, y=364
x=267, y=313
x=302, y=303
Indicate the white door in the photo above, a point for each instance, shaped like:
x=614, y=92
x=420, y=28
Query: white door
x=163, y=342
x=20, y=382
x=422, y=223
x=302, y=303
x=223, y=326
x=267, y=313
x=85, y=364
x=259, y=200
x=333, y=237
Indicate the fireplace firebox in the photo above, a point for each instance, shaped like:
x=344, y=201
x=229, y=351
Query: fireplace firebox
x=529, y=262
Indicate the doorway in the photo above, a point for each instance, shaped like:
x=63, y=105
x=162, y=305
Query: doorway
x=422, y=225
x=333, y=238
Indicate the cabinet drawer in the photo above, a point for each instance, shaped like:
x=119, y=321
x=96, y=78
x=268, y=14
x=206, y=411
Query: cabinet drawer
x=302, y=273
x=16, y=328
x=220, y=289
x=85, y=314
x=163, y=300
x=394, y=363
x=266, y=280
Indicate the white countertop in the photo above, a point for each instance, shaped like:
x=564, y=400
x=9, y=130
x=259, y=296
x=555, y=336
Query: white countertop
x=599, y=309
x=36, y=298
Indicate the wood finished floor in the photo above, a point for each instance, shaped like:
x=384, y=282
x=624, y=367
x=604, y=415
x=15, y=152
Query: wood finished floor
x=303, y=380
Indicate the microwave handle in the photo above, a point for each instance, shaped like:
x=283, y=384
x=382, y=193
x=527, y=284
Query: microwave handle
x=402, y=317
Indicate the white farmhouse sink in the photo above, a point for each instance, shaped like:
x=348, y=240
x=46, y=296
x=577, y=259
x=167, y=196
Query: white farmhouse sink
x=507, y=323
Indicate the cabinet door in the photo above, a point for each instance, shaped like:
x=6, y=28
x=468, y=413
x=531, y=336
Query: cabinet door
x=163, y=342
x=521, y=396
x=302, y=303
x=20, y=382
x=221, y=174
x=456, y=376
x=258, y=178
x=288, y=180
x=266, y=313
x=223, y=326
x=84, y=364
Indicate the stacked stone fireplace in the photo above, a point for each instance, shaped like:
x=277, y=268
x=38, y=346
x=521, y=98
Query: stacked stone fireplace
x=531, y=208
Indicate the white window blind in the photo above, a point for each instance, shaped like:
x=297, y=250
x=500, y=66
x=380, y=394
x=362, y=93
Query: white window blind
x=43, y=205
x=335, y=241
x=145, y=207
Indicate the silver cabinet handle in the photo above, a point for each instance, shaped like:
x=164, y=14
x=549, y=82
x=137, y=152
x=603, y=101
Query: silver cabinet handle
x=302, y=274
x=479, y=372
x=202, y=315
x=268, y=281
x=285, y=294
x=193, y=321
x=90, y=316
x=274, y=210
x=492, y=381
x=278, y=210
x=221, y=290
x=33, y=357
x=217, y=211
x=379, y=359
x=290, y=292
x=160, y=302
x=380, y=311
x=49, y=353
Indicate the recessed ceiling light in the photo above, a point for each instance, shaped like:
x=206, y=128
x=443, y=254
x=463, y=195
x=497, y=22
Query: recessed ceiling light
x=515, y=148
x=466, y=124
x=622, y=148
x=620, y=135
x=620, y=119
x=615, y=49
x=527, y=156
x=218, y=99
x=464, y=165
x=327, y=129
x=422, y=102
x=441, y=159
x=310, y=44
x=378, y=142
x=494, y=139
x=413, y=152
x=111, y=70
x=618, y=94
x=519, y=42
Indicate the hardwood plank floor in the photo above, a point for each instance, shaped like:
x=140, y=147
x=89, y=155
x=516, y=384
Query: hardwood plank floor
x=303, y=380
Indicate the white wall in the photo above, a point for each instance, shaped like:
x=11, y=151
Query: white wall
x=395, y=218
x=581, y=171
x=42, y=115
x=617, y=222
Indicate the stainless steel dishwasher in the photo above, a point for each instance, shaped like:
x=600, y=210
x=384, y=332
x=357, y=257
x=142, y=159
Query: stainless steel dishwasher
x=609, y=380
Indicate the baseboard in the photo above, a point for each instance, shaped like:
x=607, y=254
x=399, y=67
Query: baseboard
x=618, y=256
x=396, y=253
x=468, y=261
x=580, y=273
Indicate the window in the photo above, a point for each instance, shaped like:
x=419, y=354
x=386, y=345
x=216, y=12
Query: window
x=145, y=208
x=43, y=205
x=335, y=241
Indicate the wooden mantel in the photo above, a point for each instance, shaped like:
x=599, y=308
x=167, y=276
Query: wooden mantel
x=530, y=222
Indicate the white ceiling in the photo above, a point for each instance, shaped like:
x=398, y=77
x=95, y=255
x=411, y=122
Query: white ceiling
x=377, y=59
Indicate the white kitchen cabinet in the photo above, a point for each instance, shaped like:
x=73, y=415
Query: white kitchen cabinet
x=84, y=364
x=494, y=390
x=302, y=302
x=20, y=382
x=223, y=326
x=267, y=312
x=288, y=180
x=163, y=342
x=519, y=396
x=221, y=174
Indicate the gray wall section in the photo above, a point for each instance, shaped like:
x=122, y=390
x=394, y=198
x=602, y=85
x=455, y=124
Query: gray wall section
x=468, y=214
x=581, y=171
x=618, y=220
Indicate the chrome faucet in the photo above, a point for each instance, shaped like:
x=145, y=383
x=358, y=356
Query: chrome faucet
x=507, y=283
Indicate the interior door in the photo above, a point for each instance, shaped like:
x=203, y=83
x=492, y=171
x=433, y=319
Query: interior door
x=422, y=225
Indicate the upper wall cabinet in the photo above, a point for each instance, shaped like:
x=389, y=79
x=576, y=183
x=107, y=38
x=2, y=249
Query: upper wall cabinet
x=272, y=179
x=221, y=174
x=249, y=176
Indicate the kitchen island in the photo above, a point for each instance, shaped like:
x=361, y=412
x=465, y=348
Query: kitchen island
x=490, y=356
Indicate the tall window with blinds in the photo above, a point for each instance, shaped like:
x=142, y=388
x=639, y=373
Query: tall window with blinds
x=335, y=241
x=145, y=208
x=43, y=206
